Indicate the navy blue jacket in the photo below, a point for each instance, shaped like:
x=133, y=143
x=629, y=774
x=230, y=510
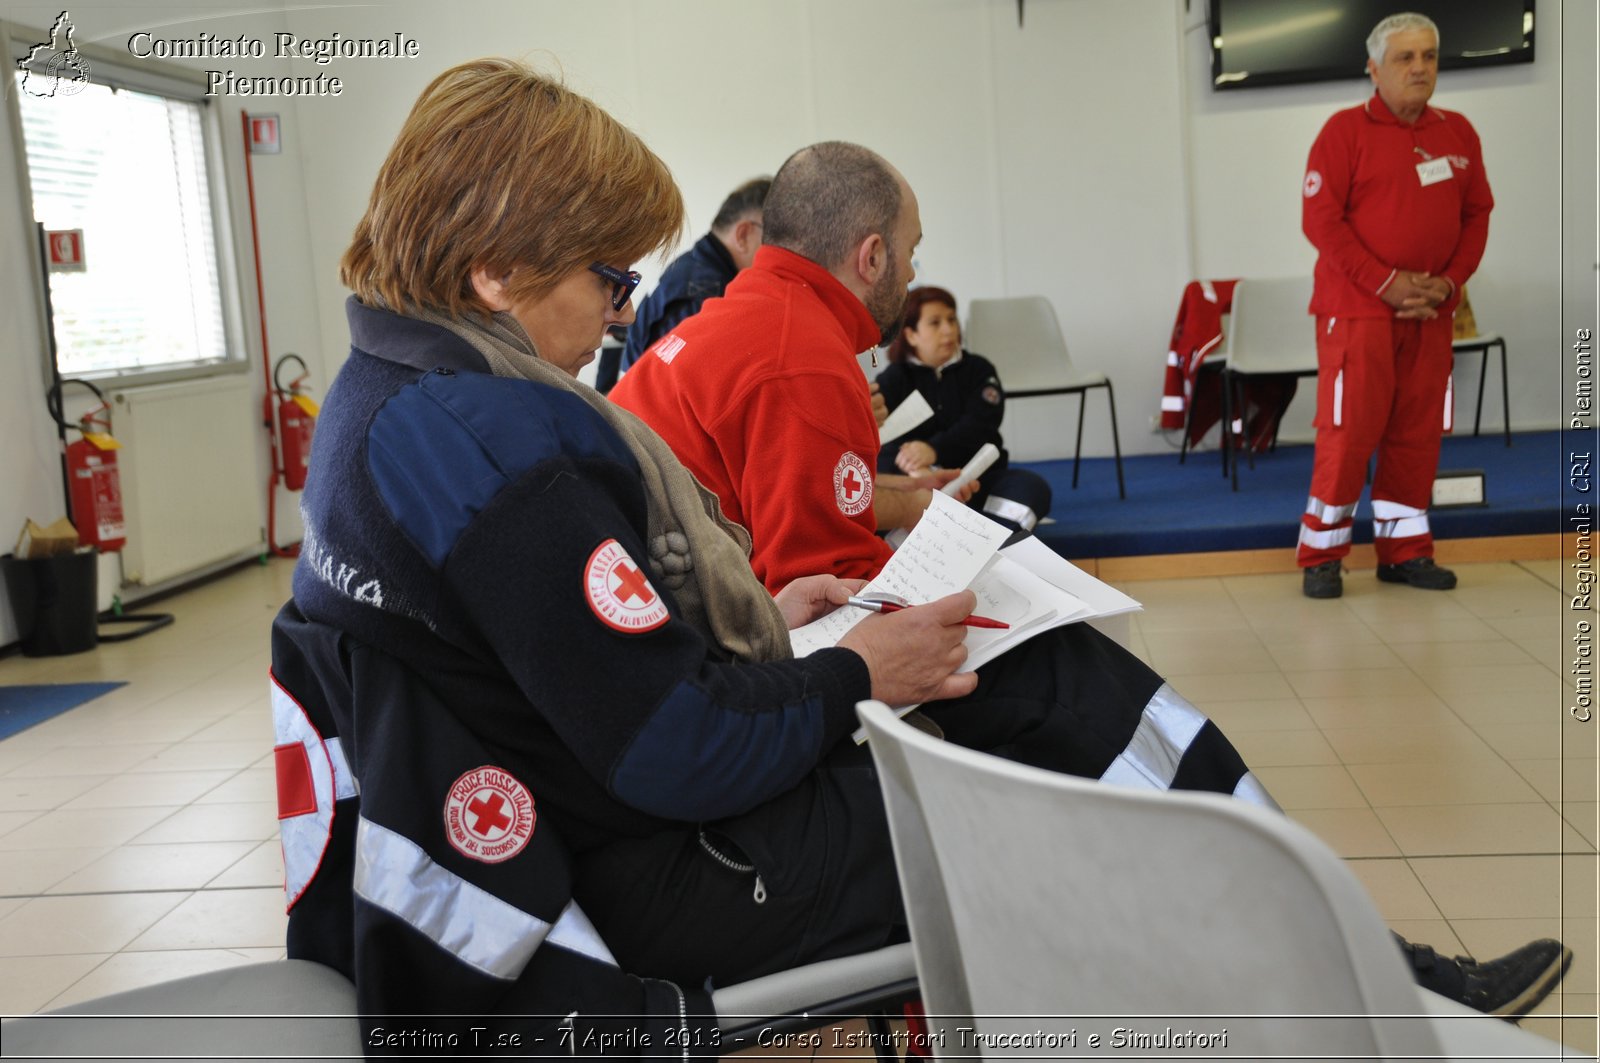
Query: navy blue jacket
x=968, y=406
x=700, y=273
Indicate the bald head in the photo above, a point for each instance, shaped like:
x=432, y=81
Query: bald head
x=828, y=198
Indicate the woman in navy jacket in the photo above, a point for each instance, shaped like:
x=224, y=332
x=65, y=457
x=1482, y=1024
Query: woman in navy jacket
x=968, y=405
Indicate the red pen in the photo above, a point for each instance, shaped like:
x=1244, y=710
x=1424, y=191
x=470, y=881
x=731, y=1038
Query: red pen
x=879, y=605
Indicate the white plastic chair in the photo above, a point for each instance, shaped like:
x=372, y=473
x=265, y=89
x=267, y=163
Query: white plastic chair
x=1023, y=338
x=1033, y=894
x=1269, y=332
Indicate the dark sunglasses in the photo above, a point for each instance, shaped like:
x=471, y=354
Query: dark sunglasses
x=622, y=284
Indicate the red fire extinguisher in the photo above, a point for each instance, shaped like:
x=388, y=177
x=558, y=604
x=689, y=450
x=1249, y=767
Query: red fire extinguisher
x=94, y=487
x=297, y=422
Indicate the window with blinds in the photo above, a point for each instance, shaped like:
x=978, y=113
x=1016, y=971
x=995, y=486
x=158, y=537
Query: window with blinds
x=129, y=169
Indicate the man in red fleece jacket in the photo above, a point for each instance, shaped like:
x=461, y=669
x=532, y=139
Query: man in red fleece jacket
x=760, y=393
x=1397, y=205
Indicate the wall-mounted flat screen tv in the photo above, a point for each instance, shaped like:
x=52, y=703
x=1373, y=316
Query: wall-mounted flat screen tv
x=1276, y=42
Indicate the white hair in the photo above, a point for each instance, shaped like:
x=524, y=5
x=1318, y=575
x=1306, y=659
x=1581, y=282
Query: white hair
x=1378, y=39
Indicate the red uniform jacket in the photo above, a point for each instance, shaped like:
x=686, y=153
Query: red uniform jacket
x=1368, y=212
x=761, y=396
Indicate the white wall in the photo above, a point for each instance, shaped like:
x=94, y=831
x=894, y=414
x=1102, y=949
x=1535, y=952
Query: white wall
x=1081, y=156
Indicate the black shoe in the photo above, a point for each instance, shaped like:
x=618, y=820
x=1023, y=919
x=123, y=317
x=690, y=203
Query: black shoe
x=1509, y=987
x=1322, y=581
x=1419, y=572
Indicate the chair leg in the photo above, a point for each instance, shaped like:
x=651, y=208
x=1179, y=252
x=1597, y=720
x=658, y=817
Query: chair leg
x=1505, y=393
x=1116, y=442
x=1083, y=396
x=882, y=1037
x=1230, y=466
x=1483, y=372
x=1225, y=428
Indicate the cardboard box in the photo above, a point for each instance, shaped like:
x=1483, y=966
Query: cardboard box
x=36, y=542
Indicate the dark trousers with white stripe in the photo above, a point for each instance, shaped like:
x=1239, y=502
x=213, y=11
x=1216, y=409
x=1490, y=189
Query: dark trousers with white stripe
x=1383, y=385
x=1068, y=700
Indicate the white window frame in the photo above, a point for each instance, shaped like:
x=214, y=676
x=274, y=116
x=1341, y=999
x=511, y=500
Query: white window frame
x=116, y=70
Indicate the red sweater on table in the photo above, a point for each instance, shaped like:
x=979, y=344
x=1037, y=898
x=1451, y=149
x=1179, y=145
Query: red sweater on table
x=1368, y=212
x=761, y=396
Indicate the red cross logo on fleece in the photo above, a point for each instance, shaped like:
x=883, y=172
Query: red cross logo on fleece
x=489, y=815
x=852, y=484
x=619, y=593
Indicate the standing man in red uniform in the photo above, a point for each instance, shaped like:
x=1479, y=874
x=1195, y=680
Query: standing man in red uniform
x=1397, y=206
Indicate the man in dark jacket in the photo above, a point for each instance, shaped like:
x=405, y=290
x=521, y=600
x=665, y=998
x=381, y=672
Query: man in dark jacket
x=700, y=273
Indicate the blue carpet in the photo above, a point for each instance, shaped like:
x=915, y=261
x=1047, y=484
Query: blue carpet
x=23, y=706
x=1174, y=509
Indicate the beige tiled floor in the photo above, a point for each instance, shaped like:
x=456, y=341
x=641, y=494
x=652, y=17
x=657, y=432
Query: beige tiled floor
x=1423, y=736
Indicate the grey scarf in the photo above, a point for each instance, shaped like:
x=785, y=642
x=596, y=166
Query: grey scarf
x=701, y=555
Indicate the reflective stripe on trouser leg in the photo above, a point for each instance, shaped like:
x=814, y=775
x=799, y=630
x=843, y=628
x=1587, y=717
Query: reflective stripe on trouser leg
x=1393, y=522
x=1324, y=532
x=1327, y=514
x=1015, y=512
x=1176, y=747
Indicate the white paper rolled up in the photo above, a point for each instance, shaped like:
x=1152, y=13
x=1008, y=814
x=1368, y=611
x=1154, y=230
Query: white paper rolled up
x=973, y=469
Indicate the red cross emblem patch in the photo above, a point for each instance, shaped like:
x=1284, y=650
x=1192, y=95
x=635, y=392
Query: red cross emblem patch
x=488, y=815
x=852, y=484
x=620, y=593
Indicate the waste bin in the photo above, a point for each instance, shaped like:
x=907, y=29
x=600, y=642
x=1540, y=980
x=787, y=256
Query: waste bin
x=54, y=600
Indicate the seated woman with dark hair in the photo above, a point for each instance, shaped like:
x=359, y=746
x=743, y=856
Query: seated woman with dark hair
x=968, y=405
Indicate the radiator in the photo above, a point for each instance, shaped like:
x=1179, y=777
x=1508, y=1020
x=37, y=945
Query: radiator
x=191, y=491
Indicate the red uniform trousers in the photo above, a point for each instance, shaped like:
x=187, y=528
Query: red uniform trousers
x=1383, y=384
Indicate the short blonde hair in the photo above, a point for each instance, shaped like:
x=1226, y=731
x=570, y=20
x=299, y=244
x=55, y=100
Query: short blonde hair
x=502, y=168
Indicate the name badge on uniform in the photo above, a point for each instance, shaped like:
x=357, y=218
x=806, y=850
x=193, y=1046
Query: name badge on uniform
x=1433, y=171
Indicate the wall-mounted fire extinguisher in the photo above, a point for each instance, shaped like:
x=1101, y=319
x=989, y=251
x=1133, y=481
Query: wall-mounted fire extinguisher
x=94, y=486
x=297, y=422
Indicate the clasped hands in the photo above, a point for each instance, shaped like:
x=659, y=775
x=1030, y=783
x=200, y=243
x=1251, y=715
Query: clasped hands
x=1416, y=296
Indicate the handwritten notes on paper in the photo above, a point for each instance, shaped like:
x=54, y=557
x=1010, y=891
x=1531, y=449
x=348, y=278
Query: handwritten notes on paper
x=944, y=553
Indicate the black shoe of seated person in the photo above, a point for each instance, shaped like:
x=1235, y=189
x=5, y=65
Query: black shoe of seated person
x=1322, y=581
x=1509, y=987
x=1419, y=572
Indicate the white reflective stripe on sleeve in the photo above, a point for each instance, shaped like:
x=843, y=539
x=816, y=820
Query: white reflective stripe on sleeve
x=1172, y=358
x=1171, y=403
x=1450, y=401
x=1207, y=290
x=1328, y=514
x=1167, y=726
x=1238, y=426
x=1338, y=398
x=1251, y=790
x=304, y=834
x=1382, y=509
x=575, y=933
x=1324, y=540
x=472, y=924
x=344, y=783
x=1015, y=512
x=1404, y=528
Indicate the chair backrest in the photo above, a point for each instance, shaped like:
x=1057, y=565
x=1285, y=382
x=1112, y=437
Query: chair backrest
x=1022, y=337
x=1269, y=330
x=1031, y=893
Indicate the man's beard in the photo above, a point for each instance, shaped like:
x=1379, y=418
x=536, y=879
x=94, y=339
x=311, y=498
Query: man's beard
x=886, y=302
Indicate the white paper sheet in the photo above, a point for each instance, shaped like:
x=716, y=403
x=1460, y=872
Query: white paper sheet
x=906, y=416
